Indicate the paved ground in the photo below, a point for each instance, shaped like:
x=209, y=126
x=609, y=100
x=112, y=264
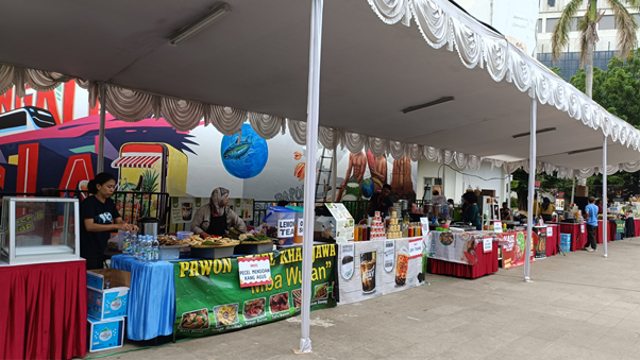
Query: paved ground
x=581, y=306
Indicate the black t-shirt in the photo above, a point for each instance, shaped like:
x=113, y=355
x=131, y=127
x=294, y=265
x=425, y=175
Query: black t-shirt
x=381, y=204
x=93, y=244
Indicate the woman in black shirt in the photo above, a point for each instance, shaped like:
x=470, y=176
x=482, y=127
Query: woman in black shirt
x=99, y=217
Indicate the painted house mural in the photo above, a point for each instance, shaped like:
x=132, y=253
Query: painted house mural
x=50, y=140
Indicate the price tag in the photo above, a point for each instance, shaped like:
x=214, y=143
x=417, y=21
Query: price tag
x=415, y=248
x=582, y=228
x=254, y=271
x=487, y=244
x=549, y=231
x=285, y=228
x=389, y=255
x=425, y=228
x=300, y=231
x=497, y=227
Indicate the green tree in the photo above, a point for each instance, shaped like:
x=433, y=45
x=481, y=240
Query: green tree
x=587, y=26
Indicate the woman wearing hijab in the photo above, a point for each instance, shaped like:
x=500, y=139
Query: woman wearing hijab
x=216, y=218
x=547, y=209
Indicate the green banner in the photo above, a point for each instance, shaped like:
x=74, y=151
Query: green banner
x=619, y=227
x=209, y=299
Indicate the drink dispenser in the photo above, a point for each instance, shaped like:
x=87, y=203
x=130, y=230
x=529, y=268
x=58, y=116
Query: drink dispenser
x=280, y=223
x=148, y=226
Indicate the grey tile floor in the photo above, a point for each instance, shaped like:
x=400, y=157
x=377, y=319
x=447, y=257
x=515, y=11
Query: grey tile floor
x=579, y=306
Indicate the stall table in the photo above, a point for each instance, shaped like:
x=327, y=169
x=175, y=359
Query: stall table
x=611, y=231
x=152, y=296
x=44, y=311
x=487, y=264
x=553, y=240
x=636, y=222
x=578, y=232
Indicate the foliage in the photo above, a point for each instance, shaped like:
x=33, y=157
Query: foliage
x=150, y=181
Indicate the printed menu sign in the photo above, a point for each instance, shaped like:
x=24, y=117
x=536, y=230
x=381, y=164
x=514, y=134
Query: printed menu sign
x=389, y=254
x=286, y=228
x=254, y=271
x=183, y=209
x=487, y=244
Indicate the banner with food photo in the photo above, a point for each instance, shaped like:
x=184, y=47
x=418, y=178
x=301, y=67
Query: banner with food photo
x=372, y=268
x=455, y=247
x=513, y=245
x=210, y=300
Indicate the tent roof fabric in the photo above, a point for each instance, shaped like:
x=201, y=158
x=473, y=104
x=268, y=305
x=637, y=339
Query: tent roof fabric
x=254, y=62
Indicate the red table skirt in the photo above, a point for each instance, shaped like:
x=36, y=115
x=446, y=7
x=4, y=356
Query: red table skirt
x=552, y=241
x=487, y=264
x=43, y=311
x=611, y=232
x=578, y=238
x=637, y=226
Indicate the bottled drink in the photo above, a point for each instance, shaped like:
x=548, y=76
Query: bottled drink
x=126, y=243
x=134, y=246
x=148, y=249
x=144, y=249
x=156, y=248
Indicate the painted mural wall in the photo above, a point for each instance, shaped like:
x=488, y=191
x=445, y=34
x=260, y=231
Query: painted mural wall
x=50, y=140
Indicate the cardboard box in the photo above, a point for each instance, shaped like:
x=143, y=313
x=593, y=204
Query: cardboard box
x=491, y=193
x=104, y=335
x=339, y=226
x=103, y=304
x=582, y=191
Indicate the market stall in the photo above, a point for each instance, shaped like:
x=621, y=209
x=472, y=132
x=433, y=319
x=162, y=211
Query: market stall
x=468, y=255
x=43, y=280
x=578, y=232
x=611, y=231
x=553, y=239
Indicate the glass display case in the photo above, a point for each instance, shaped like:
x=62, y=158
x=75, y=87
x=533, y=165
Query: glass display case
x=39, y=229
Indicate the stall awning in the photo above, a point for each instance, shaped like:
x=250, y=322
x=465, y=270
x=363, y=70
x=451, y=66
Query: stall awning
x=253, y=64
x=135, y=161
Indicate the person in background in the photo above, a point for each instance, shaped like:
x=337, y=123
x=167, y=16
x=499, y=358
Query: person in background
x=599, y=205
x=438, y=199
x=471, y=214
x=536, y=207
x=99, y=218
x=381, y=202
x=592, y=224
x=450, y=202
x=216, y=218
x=547, y=209
x=505, y=213
x=91, y=187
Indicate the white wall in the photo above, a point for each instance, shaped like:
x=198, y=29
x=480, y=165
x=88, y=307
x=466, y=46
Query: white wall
x=456, y=181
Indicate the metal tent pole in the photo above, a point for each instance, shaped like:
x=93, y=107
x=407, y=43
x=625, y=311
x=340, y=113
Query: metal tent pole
x=573, y=190
x=605, y=221
x=103, y=110
x=313, y=105
x=508, y=197
x=334, y=174
x=531, y=187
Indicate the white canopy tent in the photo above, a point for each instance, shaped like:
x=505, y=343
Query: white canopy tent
x=252, y=64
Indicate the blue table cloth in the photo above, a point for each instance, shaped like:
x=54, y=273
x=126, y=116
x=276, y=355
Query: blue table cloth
x=152, y=297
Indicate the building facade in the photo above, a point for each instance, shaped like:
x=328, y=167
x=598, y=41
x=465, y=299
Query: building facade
x=569, y=63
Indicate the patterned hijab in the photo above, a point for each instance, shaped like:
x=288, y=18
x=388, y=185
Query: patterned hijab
x=218, y=196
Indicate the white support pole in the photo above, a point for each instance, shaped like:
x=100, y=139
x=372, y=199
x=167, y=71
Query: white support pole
x=531, y=187
x=334, y=174
x=605, y=221
x=103, y=110
x=508, y=197
x=313, y=106
x=573, y=189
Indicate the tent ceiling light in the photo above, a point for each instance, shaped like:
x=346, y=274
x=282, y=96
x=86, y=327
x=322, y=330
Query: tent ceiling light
x=584, y=150
x=443, y=99
x=215, y=14
x=541, y=131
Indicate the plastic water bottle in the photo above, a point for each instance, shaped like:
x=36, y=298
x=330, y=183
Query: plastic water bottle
x=126, y=243
x=134, y=246
x=148, y=249
x=156, y=249
x=142, y=248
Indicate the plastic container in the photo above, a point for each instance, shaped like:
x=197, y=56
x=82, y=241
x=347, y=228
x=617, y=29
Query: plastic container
x=299, y=228
x=280, y=223
x=184, y=234
x=171, y=252
x=565, y=242
x=212, y=252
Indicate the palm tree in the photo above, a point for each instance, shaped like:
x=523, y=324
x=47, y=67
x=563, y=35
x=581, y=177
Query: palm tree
x=625, y=24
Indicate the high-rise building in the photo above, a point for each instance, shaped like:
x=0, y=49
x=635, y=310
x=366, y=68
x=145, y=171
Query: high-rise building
x=569, y=62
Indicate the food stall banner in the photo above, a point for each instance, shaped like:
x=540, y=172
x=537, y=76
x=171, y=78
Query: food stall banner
x=183, y=209
x=209, y=299
x=455, y=247
x=372, y=268
x=513, y=246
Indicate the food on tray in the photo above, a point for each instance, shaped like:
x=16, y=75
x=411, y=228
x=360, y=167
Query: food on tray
x=321, y=292
x=446, y=238
x=198, y=319
x=254, y=308
x=219, y=241
x=256, y=238
x=279, y=302
x=297, y=298
x=227, y=314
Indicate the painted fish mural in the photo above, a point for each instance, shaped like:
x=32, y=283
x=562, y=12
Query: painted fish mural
x=247, y=158
x=239, y=150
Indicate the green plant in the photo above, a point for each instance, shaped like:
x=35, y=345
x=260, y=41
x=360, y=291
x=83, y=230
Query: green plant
x=149, y=182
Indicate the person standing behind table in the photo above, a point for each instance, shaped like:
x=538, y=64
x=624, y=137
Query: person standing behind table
x=592, y=224
x=505, y=213
x=547, y=209
x=381, y=202
x=471, y=214
x=99, y=218
x=216, y=218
